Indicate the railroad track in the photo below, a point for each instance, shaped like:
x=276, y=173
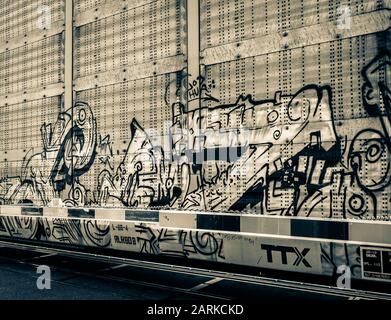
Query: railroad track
x=196, y=291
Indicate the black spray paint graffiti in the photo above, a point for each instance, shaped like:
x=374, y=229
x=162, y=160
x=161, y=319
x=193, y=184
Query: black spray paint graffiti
x=69, y=149
x=281, y=156
x=334, y=255
x=179, y=243
x=264, y=131
x=142, y=178
x=200, y=89
x=67, y=231
x=79, y=232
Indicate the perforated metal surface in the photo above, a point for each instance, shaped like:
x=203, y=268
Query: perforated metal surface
x=32, y=75
x=226, y=21
x=19, y=17
x=84, y=5
x=116, y=107
x=291, y=114
x=137, y=35
x=110, y=47
x=338, y=65
x=32, y=66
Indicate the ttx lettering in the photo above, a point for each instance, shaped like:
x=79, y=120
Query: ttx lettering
x=284, y=251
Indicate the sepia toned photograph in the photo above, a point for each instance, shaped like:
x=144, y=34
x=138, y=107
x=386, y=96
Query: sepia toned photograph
x=201, y=157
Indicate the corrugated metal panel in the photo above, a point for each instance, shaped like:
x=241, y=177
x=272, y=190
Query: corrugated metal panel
x=32, y=76
x=84, y=5
x=138, y=35
x=226, y=21
x=20, y=17
x=127, y=68
x=252, y=92
x=139, y=102
x=35, y=65
x=293, y=107
x=19, y=125
x=21, y=154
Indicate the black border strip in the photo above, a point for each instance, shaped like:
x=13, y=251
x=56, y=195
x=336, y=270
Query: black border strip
x=33, y=211
x=338, y=230
x=218, y=222
x=81, y=213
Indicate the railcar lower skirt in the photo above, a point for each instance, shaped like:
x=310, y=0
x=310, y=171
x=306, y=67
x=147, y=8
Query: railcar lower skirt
x=313, y=246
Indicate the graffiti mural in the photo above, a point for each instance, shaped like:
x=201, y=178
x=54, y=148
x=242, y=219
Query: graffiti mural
x=341, y=254
x=66, y=231
x=69, y=149
x=280, y=156
x=265, y=129
x=142, y=179
x=191, y=243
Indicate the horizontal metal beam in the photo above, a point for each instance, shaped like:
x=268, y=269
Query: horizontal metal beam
x=107, y=9
x=327, y=228
x=133, y=72
x=51, y=90
x=325, y=32
x=378, y=232
x=32, y=36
